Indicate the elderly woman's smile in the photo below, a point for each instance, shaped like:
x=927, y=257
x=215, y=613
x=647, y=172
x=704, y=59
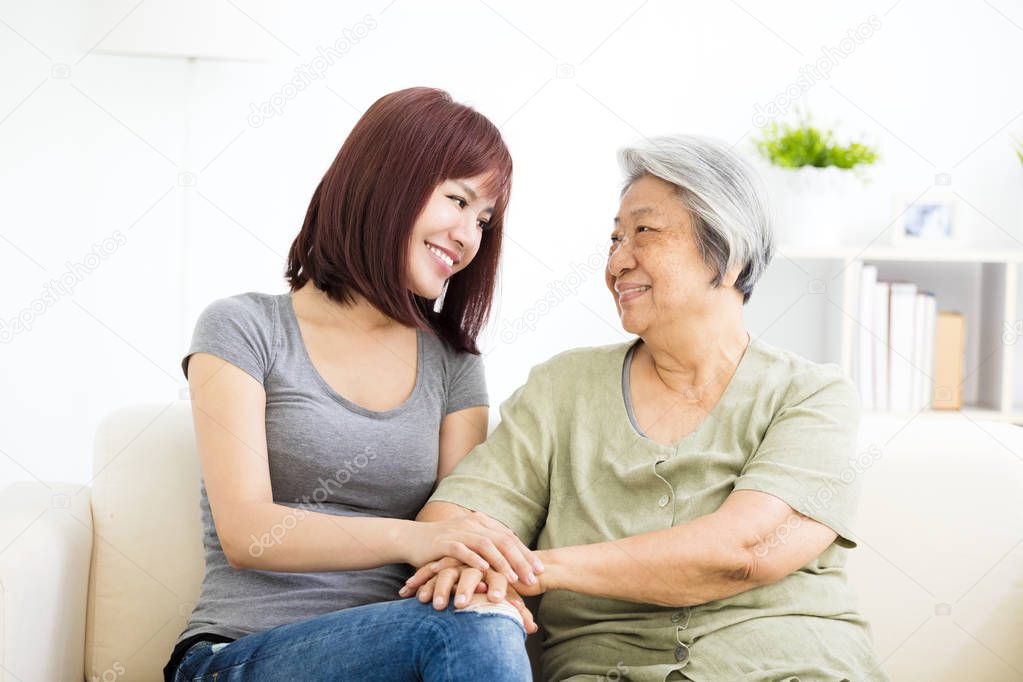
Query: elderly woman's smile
x=630, y=290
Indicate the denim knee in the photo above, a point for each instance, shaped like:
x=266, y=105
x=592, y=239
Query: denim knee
x=472, y=645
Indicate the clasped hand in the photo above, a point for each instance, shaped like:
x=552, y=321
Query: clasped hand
x=436, y=581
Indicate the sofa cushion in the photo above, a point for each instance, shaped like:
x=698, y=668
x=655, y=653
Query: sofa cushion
x=939, y=569
x=147, y=559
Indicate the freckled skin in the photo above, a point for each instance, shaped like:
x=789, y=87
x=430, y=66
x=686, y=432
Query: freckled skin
x=656, y=247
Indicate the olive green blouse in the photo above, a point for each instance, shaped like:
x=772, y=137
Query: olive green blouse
x=568, y=466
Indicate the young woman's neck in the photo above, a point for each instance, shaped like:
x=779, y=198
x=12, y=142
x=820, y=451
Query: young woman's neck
x=359, y=313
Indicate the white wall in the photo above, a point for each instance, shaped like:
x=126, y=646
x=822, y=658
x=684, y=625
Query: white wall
x=131, y=122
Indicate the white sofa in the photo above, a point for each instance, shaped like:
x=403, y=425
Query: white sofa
x=96, y=581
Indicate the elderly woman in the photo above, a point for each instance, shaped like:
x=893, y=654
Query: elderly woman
x=689, y=491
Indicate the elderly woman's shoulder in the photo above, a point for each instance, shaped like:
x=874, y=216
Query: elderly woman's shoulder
x=799, y=377
x=584, y=362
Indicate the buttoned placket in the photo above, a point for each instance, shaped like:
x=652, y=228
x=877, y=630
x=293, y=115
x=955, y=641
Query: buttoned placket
x=682, y=651
x=663, y=501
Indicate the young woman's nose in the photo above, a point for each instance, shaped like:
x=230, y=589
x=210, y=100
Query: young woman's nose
x=464, y=232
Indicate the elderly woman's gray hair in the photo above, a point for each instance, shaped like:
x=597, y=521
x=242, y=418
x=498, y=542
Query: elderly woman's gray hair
x=724, y=196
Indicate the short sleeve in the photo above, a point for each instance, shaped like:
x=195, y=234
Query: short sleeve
x=467, y=385
x=238, y=330
x=507, y=476
x=806, y=455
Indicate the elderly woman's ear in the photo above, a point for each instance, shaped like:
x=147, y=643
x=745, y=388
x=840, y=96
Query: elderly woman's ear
x=731, y=276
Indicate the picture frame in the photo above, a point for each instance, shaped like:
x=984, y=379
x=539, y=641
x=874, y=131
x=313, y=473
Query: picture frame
x=928, y=221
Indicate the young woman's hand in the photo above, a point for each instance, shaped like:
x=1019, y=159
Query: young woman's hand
x=468, y=585
x=448, y=570
x=476, y=540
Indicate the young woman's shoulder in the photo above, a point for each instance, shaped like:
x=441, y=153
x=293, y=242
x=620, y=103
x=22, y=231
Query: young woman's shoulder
x=251, y=304
x=242, y=329
x=462, y=373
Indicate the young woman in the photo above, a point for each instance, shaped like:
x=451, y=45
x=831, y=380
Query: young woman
x=325, y=416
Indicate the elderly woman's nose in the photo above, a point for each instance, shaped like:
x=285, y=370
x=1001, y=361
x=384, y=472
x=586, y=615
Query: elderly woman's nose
x=619, y=259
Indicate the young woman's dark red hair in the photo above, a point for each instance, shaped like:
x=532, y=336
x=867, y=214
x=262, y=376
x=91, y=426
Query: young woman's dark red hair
x=356, y=232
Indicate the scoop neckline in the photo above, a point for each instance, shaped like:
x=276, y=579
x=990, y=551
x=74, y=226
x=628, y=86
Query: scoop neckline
x=329, y=390
x=630, y=415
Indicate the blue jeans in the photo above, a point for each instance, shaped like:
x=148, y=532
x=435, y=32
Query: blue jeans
x=394, y=640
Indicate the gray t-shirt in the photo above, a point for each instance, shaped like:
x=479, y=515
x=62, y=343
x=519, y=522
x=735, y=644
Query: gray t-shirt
x=326, y=454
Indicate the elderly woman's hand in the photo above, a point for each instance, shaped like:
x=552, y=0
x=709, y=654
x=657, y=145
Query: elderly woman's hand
x=435, y=582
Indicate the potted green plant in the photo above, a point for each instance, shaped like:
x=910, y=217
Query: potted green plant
x=818, y=176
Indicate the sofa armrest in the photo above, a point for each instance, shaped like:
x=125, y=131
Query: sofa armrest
x=45, y=551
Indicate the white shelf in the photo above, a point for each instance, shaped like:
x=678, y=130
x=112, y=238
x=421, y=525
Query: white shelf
x=968, y=412
x=980, y=282
x=891, y=253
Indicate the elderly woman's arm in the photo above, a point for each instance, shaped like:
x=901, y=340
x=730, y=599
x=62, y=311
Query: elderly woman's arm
x=753, y=539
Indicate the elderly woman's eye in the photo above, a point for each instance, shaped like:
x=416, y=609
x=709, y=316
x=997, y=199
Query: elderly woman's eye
x=643, y=228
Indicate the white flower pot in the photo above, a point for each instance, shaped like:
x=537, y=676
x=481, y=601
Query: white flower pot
x=812, y=206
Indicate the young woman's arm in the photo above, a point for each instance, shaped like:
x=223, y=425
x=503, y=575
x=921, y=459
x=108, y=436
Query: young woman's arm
x=229, y=411
x=460, y=432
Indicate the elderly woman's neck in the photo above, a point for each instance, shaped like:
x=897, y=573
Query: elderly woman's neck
x=697, y=355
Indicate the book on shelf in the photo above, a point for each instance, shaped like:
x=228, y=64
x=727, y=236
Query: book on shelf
x=879, y=355
x=909, y=356
x=950, y=346
x=901, y=323
x=866, y=329
x=923, y=349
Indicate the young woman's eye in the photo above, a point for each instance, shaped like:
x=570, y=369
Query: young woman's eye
x=484, y=225
x=462, y=203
